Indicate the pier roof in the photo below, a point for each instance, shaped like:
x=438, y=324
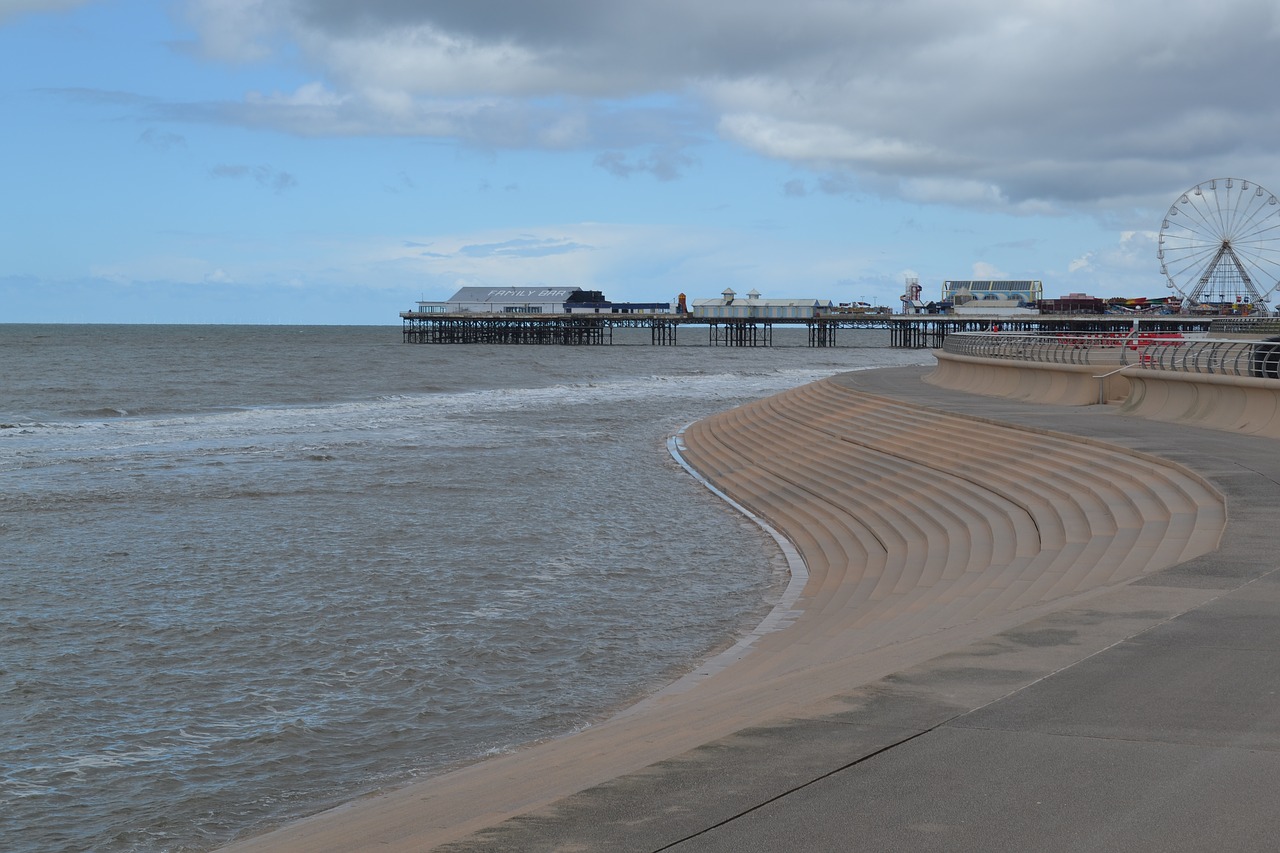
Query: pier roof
x=497, y=294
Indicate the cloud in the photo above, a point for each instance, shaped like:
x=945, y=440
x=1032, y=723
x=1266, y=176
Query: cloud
x=522, y=247
x=1033, y=108
x=629, y=262
x=14, y=8
x=1124, y=266
x=162, y=140
x=403, y=183
x=264, y=176
x=99, y=97
x=983, y=271
x=665, y=164
x=236, y=30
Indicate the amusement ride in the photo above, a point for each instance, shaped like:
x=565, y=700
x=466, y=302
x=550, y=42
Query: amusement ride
x=1220, y=247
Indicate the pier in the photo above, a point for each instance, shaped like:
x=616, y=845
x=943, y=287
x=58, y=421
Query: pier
x=906, y=331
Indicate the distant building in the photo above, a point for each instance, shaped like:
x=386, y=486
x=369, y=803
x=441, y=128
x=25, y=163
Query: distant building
x=728, y=305
x=992, y=297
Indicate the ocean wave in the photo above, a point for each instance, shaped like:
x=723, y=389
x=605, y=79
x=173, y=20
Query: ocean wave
x=383, y=586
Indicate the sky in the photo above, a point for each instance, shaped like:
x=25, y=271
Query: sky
x=334, y=162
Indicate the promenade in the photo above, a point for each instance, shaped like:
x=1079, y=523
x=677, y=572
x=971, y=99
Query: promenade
x=1009, y=639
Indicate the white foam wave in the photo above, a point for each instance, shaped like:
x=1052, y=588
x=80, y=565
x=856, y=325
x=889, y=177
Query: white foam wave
x=414, y=418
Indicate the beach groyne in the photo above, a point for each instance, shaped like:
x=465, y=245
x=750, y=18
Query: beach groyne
x=922, y=531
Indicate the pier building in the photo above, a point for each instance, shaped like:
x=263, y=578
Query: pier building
x=536, y=300
x=729, y=306
x=990, y=297
x=593, y=302
x=510, y=300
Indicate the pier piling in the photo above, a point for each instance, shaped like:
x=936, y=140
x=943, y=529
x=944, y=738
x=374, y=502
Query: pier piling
x=910, y=331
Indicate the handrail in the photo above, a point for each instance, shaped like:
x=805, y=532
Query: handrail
x=1147, y=351
x=1102, y=381
x=1117, y=370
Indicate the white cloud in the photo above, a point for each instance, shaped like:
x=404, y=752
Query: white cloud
x=655, y=262
x=170, y=267
x=818, y=143
x=313, y=94
x=1125, y=267
x=957, y=191
x=983, y=271
x=424, y=59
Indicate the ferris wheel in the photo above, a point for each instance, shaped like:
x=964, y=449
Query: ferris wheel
x=1220, y=244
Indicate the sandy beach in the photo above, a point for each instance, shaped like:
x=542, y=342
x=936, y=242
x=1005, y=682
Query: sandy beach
x=922, y=531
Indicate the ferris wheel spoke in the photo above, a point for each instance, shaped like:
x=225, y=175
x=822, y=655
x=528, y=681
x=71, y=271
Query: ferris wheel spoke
x=1185, y=249
x=1263, y=231
x=1190, y=255
x=1257, y=221
x=1191, y=266
x=1257, y=248
x=1263, y=267
x=1223, y=217
x=1244, y=212
x=1200, y=222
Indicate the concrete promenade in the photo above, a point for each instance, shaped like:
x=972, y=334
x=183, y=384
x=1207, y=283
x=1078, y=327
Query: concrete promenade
x=1147, y=718
x=1118, y=705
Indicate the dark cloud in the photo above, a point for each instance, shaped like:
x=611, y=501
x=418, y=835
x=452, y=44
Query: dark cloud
x=1091, y=104
x=633, y=46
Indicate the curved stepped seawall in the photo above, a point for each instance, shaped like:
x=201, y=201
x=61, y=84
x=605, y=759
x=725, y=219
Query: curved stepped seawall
x=912, y=520
x=921, y=530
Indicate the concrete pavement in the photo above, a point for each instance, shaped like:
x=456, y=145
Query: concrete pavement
x=1145, y=718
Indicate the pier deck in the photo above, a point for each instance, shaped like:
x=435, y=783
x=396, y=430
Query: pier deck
x=906, y=331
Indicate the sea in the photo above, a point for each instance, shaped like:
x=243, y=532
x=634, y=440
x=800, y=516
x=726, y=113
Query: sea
x=252, y=572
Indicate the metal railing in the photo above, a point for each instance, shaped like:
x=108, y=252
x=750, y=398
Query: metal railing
x=1258, y=326
x=1142, y=351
